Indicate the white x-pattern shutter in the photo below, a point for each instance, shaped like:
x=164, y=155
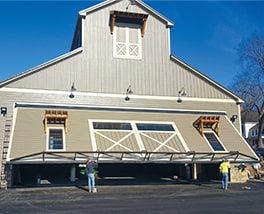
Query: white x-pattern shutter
x=127, y=41
x=135, y=140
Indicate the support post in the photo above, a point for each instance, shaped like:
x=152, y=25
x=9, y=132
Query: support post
x=194, y=171
x=73, y=173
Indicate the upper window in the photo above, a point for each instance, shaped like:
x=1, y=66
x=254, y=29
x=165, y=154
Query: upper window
x=128, y=29
x=55, y=139
x=154, y=127
x=125, y=135
x=112, y=125
x=214, y=141
x=127, y=41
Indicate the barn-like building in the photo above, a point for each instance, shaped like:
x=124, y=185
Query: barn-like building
x=121, y=97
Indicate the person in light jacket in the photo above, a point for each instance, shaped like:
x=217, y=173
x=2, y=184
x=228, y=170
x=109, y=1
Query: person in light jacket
x=90, y=164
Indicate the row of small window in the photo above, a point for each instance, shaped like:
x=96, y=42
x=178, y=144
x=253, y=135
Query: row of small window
x=56, y=136
x=127, y=126
x=254, y=132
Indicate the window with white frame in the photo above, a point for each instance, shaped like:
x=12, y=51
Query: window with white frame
x=127, y=41
x=214, y=141
x=131, y=136
x=55, y=138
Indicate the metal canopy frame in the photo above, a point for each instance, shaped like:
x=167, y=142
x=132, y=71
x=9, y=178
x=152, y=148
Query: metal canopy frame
x=125, y=156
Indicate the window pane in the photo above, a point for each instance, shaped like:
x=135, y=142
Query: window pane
x=55, y=139
x=216, y=145
x=120, y=34
x=115, y=126
x=155, y=127
x=133, y=35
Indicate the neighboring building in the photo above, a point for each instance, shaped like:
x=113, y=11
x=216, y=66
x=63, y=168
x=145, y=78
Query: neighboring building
x=121, y=97
x=250, y=127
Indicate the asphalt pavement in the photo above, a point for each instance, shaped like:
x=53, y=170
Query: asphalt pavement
x=154, y=198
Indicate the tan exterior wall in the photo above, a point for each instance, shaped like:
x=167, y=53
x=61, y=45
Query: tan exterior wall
x=29, y=135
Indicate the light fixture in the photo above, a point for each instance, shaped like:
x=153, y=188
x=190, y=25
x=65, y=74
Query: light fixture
x=233, y=118
x=72, y=90
x=179, y=100
x=3, y=111
x=128, y=92
x=180, y=94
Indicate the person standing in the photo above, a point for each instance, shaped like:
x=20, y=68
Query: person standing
x=90, y=164
x=224, y=170
x=256, y=167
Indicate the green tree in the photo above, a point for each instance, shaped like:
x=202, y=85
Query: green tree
x=249, y=84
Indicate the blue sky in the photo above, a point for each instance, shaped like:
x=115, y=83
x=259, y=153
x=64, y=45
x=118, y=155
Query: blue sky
x=205, y=35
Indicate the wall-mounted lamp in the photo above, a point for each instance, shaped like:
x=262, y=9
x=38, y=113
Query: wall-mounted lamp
x=233, y=118
x=180, y=94
x=179, y=100
x=3, y=111
x=128, y=92
x=72, y=90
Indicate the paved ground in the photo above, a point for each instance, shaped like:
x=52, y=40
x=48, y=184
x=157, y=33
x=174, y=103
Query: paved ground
x=156, y=198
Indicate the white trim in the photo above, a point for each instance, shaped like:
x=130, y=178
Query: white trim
x=239, y=119
x=63, y=139
x=125, y=108
x=219, y=141
x=95, y=7
x=169, y=40
x=12, y=134
x=92, y=135
x=138, y=138
x=85, y=12
x=82, y=32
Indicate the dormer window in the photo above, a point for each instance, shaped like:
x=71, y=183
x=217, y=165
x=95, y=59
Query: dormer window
x=128, y=30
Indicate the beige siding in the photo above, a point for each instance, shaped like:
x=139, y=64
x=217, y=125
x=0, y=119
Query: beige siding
x=78, y=136
x=29, y=136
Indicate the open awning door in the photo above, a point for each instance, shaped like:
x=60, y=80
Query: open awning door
x=55, y=117
x=204, y=122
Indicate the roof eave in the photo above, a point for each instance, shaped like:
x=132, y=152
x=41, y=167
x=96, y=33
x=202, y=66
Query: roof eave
x=142, y=4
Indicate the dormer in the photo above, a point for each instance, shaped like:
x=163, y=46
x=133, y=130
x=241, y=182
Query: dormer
x=121, y=16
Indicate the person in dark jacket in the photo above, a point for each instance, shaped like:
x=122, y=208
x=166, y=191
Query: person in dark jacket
x=90, y=164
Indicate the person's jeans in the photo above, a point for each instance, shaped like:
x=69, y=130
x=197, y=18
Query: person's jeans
x=225, y=180
x=91, y=181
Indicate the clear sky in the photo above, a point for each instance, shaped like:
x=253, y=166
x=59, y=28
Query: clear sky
x=205, y=35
